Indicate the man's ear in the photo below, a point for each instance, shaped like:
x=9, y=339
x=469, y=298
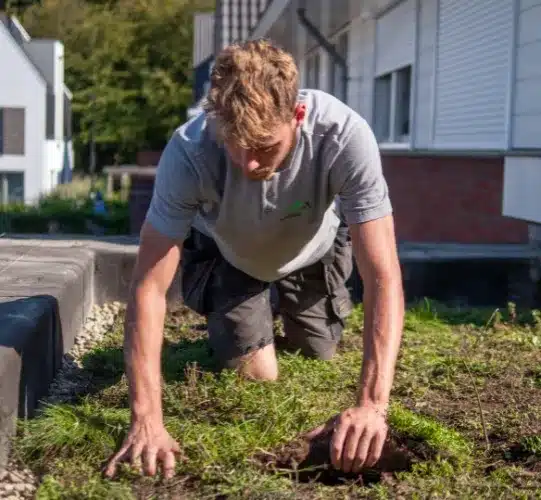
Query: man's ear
x=300, y=112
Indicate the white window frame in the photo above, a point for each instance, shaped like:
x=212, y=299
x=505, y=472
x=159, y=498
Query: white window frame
x=394, y=139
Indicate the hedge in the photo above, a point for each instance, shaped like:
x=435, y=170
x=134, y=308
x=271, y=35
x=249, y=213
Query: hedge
x=66, y=217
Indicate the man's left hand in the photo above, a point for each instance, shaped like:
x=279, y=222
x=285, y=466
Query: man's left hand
x=359, y=434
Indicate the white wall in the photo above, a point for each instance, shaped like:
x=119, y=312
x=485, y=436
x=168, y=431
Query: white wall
x=395, y=38
x=54, y=160
x=522, y=181
x=526, y=120
x=48, y=56
x=21, y=85
x=59, y=91
x=41, y=52
x=463, y=53
x=361, y=66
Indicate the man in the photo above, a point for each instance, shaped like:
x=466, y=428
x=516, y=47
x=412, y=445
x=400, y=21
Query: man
x=270, y=185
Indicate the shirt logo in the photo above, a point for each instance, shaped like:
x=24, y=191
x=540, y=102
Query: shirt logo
x=296, y=209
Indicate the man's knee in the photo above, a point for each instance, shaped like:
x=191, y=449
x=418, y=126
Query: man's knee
x=260, y=364
x=313, y=336
x=323, y=350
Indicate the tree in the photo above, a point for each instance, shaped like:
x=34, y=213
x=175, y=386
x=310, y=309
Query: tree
x=128, y=64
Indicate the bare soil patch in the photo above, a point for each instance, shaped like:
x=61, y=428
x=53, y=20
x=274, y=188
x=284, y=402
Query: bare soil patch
x=306, y=460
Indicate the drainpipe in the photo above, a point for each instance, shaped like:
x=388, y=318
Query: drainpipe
x=323, y=42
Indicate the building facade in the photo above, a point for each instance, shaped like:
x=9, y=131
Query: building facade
x=36, y=152
x=452, y=90
x=233, y=20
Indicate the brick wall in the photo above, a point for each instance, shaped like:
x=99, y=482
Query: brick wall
x=435, y=199
x=450, y=199
x=141, y=190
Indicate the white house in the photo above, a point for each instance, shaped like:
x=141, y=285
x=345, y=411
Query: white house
x=452, y=90
x=35, y=115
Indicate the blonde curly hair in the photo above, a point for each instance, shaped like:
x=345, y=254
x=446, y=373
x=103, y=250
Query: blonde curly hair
x=253, y=90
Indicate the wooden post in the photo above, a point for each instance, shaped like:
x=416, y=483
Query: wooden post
x=109, y=184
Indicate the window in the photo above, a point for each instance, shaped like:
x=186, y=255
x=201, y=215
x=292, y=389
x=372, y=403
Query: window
x=67, y=118
x=12, y=131
x=337, y=86
x=312, y=71
x=392, y=97
x=50, y=115
x=11, y=188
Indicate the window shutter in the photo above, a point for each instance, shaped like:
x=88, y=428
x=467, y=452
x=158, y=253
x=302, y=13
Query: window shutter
x=13, y=131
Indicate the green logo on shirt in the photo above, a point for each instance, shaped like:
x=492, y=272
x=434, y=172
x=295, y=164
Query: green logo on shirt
x=296, y=209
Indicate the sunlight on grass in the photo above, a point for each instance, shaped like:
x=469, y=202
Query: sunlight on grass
x=94, y=487
x=64, y=431
x=449, y=443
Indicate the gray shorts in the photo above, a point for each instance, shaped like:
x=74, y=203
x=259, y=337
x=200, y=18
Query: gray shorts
x=313, y=302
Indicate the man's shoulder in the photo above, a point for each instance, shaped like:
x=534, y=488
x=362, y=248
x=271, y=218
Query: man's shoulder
x=192, y=153
x=327, y=116
x=195, y=137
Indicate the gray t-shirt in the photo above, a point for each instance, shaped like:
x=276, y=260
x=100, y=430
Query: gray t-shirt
x=270, y=228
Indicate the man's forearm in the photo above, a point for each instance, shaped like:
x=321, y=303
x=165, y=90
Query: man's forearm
x=383, y=323
x=145, y=317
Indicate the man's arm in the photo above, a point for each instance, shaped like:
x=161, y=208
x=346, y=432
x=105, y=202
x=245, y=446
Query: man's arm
x=155, y=268
x=175, y=201
x=360, y=431
x=356, y=175
x=374, y=249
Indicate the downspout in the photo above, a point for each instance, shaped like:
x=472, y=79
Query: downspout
x=323, y=42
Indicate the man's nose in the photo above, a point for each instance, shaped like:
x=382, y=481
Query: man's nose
x=249, y=162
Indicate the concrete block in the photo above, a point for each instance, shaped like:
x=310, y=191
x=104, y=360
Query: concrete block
x=45, y=296
x=30, y=354
x=48, y=285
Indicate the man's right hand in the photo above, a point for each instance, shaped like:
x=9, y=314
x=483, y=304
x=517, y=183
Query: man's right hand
x=148, y=441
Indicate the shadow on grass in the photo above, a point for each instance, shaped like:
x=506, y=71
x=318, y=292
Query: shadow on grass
x=106, y=365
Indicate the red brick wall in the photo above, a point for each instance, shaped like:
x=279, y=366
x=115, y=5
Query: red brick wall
x=450, y=199
x=141, y=190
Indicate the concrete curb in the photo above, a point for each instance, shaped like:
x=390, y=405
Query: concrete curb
x=47, y=289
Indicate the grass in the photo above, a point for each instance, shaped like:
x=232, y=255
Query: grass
x=467, y=387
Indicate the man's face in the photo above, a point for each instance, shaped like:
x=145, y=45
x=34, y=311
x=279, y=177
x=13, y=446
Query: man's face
x=261, y=163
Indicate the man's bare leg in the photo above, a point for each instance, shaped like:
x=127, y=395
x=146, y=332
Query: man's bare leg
x=258, y=365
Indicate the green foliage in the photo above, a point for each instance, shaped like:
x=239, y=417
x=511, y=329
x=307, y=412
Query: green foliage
x=79, y=188
x=67, y=216
x=128, y=65
x=532, y=444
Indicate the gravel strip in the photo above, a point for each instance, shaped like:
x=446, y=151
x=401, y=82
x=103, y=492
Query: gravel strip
x=18, y=483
